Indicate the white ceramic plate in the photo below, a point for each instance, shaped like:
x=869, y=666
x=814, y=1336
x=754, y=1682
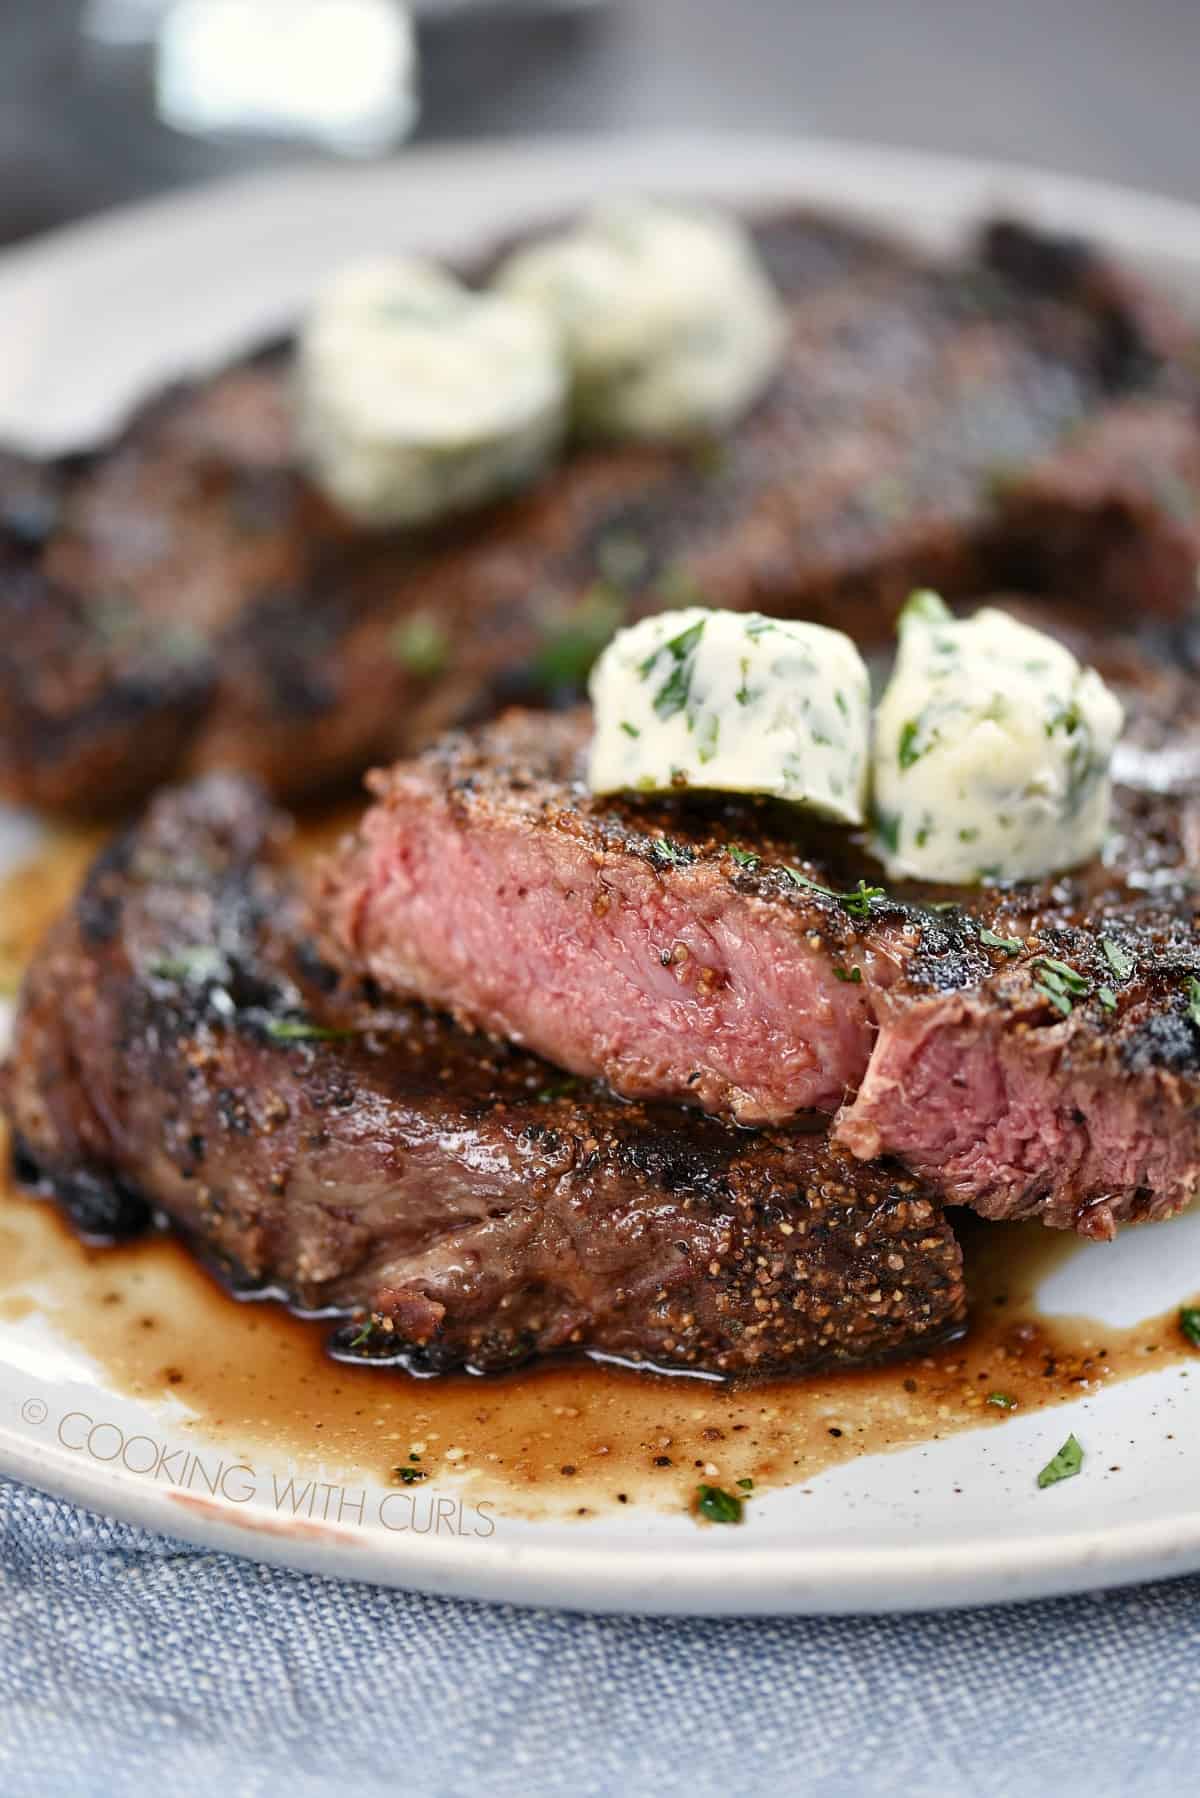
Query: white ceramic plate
x=91, y=318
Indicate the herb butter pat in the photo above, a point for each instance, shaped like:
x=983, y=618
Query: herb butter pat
x=671, y=324
x=992, y=750
x=733, y=702
x=418, y=397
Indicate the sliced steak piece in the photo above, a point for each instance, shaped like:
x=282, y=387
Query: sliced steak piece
x=183, y=600
x=681, y=949
x=624, y=941
x=179, y=1048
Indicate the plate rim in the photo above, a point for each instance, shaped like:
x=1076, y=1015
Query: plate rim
x=659, y=1577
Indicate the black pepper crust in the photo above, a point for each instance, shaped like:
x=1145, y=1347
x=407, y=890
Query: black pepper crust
x=179, y=1049
x=182, y=599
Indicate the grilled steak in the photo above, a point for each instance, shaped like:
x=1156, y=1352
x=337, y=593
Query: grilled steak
x=179, y=1048
x=183, y=600
x=720, y=952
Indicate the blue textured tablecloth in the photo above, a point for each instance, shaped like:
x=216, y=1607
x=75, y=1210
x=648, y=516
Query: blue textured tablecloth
x=130, y=1664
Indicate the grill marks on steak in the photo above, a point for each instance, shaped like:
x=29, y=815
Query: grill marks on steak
x=177, y=1047
x=183, y=600
x=666, y=947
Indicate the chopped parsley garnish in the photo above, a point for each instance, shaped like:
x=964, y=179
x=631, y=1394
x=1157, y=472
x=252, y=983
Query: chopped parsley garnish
x=857, y=902
x=743, y=857
x=717, y=1505
x=673, y=695
x=887, y=828
x=1060, y=1000
x=1065, y=1464
x=1189, y=1323
x=631, y=730
x=853, y=975
x=408, y=1476
x=674, y=854
x=1193, y=1004
x=365, y=1333
x=1118, y=959
x=421, y=645
x=1070, y=977
x=1107, y=998
x=1058, y=982
x=1002, y=1401
x=1011, y=945
x=560, y=1089
x=746, y=1485
x=203, y=961
x=302, y=1030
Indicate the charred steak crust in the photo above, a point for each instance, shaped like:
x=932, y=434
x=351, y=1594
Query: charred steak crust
x=183, y=600
x=176, y=1049
x=1028, y=1050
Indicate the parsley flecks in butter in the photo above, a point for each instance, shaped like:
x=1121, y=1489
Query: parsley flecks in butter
x=677, y=652
x=992, y=750
x=1064, y=1465
x=732, y=702
x=1189, y=1323
x=669, y=322
x=418, y=398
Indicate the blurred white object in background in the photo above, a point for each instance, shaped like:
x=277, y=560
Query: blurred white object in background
x=337, y=72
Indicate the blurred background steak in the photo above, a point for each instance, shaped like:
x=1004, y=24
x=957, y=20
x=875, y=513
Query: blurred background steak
x=179, y=1050
x=183, y=600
